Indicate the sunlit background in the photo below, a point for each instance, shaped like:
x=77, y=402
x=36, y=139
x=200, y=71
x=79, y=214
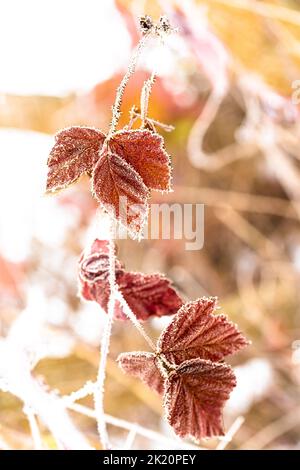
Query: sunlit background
x=225, y=83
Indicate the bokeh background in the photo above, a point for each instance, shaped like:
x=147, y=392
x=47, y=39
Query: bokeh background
x=225, y=83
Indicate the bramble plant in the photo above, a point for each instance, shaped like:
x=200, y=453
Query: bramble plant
x=186, y=366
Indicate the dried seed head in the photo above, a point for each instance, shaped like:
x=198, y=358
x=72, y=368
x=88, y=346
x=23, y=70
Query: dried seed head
x=164, y=24
x=161, y=28
x=146, y=24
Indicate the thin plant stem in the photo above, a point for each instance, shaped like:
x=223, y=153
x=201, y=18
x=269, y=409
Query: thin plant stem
x=145, y=96
x=130, y=439
x=225, y=440
x=135, y=114
x=35, y=432
x=162, y=125
x=121, y=423
x=116, y=113
x=100, y=382
x=99, y=385
x=146, y=92
x=129, y=313
x=87, y=389
x=99, y=388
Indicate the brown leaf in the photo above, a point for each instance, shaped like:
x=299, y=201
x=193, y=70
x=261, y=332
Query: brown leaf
x=93, y=275
x=195, y=332
x=143, y=366
x=95, y=265
x=146, y=295
x=150, y=294
x=100, y=246
x=123, y=168
x=195, y=395
x=75, y=152
x=120, y=189
x=98, y=290
x=144, y=151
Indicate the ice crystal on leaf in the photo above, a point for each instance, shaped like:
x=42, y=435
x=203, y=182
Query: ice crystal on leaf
x=195, y=395
x=144, y=366
x=186, y=368
x=146, y=294
x=196, y=332
x=144, y=151
x=74, y=153
x=115, y=182
x=124, y=167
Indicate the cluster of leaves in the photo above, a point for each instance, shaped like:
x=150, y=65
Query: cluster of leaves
x=124, y=167
x=146, y=294
x=187, y=368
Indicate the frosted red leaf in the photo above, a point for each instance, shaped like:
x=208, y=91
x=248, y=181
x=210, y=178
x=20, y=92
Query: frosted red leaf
x=144, y=151
x=195, y=385
x=120, y=189
x=85, y=291
x=100, y=246
x=146, y=295
x=149, y=294
x=196, y=332
x=75, y=152
x=195, y=395
x=95, y=265
x=143, y=366
x=99, y=291
x=123, y=171
x=93, y=275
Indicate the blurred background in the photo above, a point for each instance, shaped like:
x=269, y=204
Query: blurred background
x=225, y=81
